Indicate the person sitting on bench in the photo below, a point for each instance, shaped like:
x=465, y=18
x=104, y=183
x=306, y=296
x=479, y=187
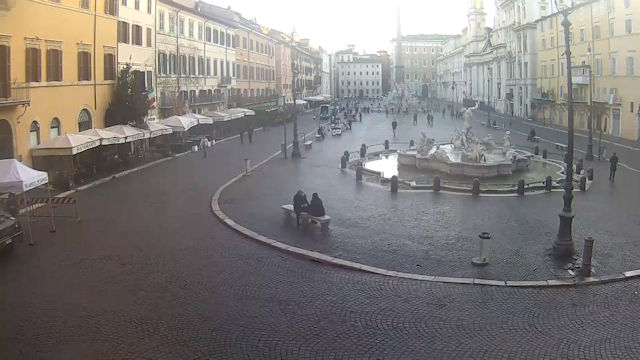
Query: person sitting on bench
x=300, y=204
x=532, y=134
x=316, y=208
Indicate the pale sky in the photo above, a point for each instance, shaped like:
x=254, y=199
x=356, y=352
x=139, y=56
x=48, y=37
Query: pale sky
x=370, y=25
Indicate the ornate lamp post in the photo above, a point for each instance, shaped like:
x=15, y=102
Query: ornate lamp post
x=563, y=245
x=295, y=151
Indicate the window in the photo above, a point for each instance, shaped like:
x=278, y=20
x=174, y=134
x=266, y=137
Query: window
x=183, y=64
x=611, y=29
x=85, y=4
x=192, y=65
x=34, y=134
x=172, y=64
x=200, y=27
x=628, y=29
x=582, y=34
x=543, y=44
x=84, y=120
x=137, y=4
x=228, y=39
x=598, y=67
x=161, y=20
x=172, y=23
x=596, y=32
x=110, y=7
x=181, y=26
x=553, y=70
x=244, y=43
x=54, y=65
x=54, y=128
x=544, y=71
x=123, y=3
x=208, y=66
x=136, y=35
x=552, y=41
x=84, y=66
x=433, y=63
x=149, y=7
x=222, y=37
x=215, y=67
x=162, y=63
x=215, y=36
x=110, y=66
x=207, y=34
x=190, y=28
x=613, y=66
x=630, y=66
x=200, y=65
x=627, y=4
x=148, y=37
x=123, y=32
x=33, y=64
x=251, y=45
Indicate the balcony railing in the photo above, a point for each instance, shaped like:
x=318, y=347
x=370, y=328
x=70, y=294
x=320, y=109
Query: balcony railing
x=205, y=99
x=169, y=102
x=226, y=80
x=240, y=100
x=12, y=94
x=580, y=75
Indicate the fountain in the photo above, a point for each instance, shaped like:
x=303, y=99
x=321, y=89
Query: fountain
x=466, y=155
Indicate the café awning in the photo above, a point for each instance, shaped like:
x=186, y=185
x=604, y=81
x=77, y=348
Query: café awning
x=67, y=144
x=179, y=123
x=218, y=116
x=200, y=118
x=129, y=132
x=157, y=129
x=106, y=137
x=234, y=113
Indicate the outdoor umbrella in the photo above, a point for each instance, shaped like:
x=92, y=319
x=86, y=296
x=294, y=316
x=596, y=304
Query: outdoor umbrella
x=106, y=137
x=179, y=123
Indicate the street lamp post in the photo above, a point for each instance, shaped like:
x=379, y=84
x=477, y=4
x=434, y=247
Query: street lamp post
x=589, y=155
x=453, y=90
x=488, y=102
x=563, y=245
x=284, y=123
x=295, y=152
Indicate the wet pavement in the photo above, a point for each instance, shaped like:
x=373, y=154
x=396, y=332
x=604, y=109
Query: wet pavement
x=430, y=233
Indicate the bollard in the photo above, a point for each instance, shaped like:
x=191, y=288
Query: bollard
x=587, y=253
x=359, y=173
x=386, y=144
x=412, y=143
x=583, y=183
x=545, y=154
x=436, y=183
x=482, y=258
x=394, y=184
x=346, y=154
x=476, y=187
x=343, y=162
x=247, y=166
x=536, y=150
x=548, y=183
x=590, y=174
x=363, y=151
x=521, y=187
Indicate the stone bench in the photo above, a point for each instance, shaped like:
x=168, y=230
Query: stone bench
x=318, y=137
x=535, y=139
x=307, y=144
x=307, y=219
x=561, y=147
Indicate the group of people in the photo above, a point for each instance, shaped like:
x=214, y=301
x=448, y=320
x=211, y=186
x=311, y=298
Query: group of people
x=313, y=208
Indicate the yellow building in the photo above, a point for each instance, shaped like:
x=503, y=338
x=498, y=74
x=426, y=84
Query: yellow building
x=57, y=69
x=604, y=49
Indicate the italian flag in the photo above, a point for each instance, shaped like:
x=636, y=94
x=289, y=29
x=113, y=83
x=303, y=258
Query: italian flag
x=612, y=99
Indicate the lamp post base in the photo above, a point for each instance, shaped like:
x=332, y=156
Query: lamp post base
x=295, y=151
x=563, y=246
x=589, y=155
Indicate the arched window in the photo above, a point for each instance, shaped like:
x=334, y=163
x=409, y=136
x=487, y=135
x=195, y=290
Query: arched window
x=84, y=120
x=34, y=134
x=54, y=129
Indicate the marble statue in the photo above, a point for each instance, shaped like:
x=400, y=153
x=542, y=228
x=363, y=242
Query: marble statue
x=425, y=144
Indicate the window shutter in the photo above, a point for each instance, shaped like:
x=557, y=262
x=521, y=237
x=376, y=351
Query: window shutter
x=39, y=62
x=80, y=66
x=28, y=63
x=59, y=65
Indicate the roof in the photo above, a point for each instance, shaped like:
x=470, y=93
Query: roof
x=425, y=37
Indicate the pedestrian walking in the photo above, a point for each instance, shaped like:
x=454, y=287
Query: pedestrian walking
x=415, y=118
x=300, y=205
x=360, y=115
x=386, y=112
x=394, y=125
x=250, y=134
x=203, y=144
x=242, y=137
x=613, y=160
x=443, y=112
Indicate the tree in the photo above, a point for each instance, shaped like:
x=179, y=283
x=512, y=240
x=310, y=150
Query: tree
x=129, y=104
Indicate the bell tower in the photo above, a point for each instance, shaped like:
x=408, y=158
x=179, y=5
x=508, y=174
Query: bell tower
x=477, y=18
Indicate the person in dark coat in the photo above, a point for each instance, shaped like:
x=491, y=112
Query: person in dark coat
x=394, y=125
x=316, y=208
x=613, y=160
x=300, y=204
x=12, y=206
x=250, y=134
x=360, y=114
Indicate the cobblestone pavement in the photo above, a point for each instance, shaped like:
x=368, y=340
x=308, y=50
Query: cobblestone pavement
x=149, y=274
x=430, y=233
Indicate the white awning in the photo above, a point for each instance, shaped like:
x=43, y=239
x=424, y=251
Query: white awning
x=158, y=129
x=201, y=118
x=234, y=113
x=67, y=144
x=179, y=123
x=218, y=116
x=16, y=177
x=129, y=132
x=315, y=98
x=106, y=137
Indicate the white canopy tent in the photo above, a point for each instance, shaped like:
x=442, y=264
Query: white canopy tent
x=201, y=118
x=67, y=144
x=106, y=137
x=16, y=178
x=157, y=129
x=179, y=123
x=129, y=132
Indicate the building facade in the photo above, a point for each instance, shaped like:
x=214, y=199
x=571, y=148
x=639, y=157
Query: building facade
x=450, y=70
x=419, y=55
x=605, y=42
x=358, y=76
x=52, y=80
x=284, y=77
x=325, y=87
x=136, y=44
x=196, y=59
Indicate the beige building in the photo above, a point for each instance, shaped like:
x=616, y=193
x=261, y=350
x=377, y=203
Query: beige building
x=605, y=47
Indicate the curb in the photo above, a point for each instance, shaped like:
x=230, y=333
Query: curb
x=346, y=264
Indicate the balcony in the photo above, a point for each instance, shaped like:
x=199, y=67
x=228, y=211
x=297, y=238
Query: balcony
x=166, y=102
x=205, y=99
x=226, y=81
x=580, y=75
x=241, y=100
x=13, y=94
